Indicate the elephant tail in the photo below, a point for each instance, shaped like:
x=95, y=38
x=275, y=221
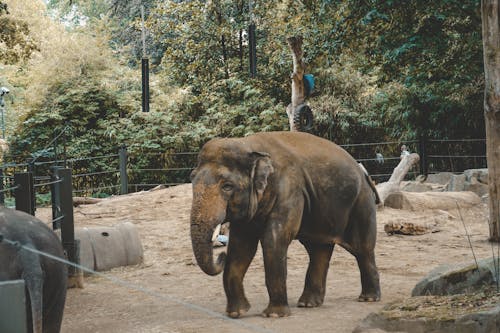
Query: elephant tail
x=371, y=183
x=33, y=277
x=374, y=189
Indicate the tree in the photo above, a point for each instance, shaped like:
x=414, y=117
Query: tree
x=491, y=45
x=16, y=42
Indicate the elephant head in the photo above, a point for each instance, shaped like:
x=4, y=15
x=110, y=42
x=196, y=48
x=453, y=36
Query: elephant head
x=228, y=184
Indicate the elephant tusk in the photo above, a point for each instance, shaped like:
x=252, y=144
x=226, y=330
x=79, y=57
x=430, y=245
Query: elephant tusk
x=216, y=232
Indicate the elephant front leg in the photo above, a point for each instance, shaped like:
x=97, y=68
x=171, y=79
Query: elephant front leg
x=275, y=263
x=315, y=285
x=239, y=256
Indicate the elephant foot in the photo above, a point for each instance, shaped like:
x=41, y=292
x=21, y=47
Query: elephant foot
x=369, y=297
x=237, y=310
x=276, y=311
x=310, y=300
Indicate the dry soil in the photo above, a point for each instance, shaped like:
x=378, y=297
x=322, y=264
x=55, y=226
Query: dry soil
x=169, y=293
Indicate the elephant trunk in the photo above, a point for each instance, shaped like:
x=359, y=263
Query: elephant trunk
x=203, y=225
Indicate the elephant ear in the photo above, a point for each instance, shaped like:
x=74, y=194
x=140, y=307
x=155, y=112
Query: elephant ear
x=261, y=169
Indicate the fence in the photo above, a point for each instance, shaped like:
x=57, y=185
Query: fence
x=122, y=172
x=60, y=184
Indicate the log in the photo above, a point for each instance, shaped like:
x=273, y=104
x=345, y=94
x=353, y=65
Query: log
x=77, y=201
x=398, y=175
x=409, y=228
x=417, y=201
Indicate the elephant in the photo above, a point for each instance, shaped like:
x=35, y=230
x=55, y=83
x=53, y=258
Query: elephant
x=275, y=187
x=45, y=278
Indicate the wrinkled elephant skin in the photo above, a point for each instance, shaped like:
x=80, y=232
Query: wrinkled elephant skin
x=45, y=278
x=273, y=188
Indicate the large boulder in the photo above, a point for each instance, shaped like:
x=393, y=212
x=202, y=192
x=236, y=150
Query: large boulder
x=401, y=318
x=458, y=278
x=458, y=298
x=473, y=180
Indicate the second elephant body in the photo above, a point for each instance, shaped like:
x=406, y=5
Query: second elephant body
x=276, y=187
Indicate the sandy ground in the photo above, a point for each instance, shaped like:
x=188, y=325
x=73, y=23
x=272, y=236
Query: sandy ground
x=169, y=293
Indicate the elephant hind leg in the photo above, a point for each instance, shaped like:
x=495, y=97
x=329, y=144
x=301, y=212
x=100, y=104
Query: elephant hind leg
x=370, y=284
x=360, y=241
x=315, y=284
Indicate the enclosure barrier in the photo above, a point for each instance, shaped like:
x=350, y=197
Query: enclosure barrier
x=124, y=172
x=62, y=207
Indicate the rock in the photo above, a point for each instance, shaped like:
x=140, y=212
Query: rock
x=456, y=183
x=477, y=187
x=487, y=321
x=431, y=200
x=457, y=278
x=442, y=178
x=480, y=174
x=416, y=186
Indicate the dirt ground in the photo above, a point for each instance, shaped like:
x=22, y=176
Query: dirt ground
x=169, y=293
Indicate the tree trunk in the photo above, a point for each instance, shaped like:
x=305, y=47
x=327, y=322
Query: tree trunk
x=399, y=173
x=491, y=53
x=298, y=94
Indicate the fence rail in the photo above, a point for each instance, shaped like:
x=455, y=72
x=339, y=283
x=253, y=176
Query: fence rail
x=111, y=174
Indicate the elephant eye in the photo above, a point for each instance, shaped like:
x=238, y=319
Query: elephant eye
x=228, y=187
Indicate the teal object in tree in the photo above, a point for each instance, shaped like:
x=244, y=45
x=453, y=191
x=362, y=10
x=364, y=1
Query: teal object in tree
x=308, y=84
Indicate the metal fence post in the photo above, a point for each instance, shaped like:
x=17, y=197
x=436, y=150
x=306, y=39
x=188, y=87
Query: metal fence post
x=32, y=171
x=69, y=243
x=123, y=156
x=55, y=196
x=24, y=192
x=422, y=151
x=2, y=186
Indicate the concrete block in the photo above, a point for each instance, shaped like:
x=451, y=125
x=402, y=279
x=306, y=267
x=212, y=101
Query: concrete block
x=109, y=247
x=103, y=248
x=133, y=246
x=13, y=307
x=87, y=259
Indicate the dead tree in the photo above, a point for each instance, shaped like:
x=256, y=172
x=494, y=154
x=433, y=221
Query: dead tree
x=491, y=51
x=298, y=90
x=399, y=173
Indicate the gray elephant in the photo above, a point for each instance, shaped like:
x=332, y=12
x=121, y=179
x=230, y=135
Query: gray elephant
x=45, y=278
x=275, y=187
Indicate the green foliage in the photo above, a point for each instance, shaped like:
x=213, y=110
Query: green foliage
x=16, y=42
x=385, y=70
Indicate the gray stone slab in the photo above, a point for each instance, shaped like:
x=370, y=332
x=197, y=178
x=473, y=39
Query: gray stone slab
x=12, y=307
